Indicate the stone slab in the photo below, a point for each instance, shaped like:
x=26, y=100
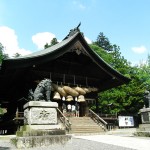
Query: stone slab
x=144, y=127
x=145, y=110
x=40, y=113
x=42, y=116
x=40, y=104
x=42, y=127
x=40, y=141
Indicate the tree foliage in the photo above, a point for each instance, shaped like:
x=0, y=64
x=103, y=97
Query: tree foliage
x=103, y=42
x=16, y=55
x=125, y=99
x=2, y=54
x=53, y=42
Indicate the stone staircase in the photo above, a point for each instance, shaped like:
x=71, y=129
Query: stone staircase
x=84, y=125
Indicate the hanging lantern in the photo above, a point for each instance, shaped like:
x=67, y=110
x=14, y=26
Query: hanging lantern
x=56, y=96
x=63, y=98
x=76, y=99
x=81, y=98
x=69, y=98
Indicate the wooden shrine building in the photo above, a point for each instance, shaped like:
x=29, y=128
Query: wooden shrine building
x=71, y=62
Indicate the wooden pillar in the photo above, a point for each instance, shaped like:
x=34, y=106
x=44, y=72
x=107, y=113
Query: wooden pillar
x=96, y=103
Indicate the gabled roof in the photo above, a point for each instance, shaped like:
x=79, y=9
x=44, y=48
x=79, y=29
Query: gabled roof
x=73, y=42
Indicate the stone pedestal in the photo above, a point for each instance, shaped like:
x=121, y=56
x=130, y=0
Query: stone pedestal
x=144, y=128
x=40, y=113
x=145, y=115
x=41, y=127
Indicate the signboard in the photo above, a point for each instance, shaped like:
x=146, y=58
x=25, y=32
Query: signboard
x=126, y=121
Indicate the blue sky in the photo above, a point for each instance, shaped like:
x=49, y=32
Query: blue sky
x=26, y=24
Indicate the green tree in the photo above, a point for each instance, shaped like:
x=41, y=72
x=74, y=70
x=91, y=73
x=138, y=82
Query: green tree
x=148, y=60
x=16, y=55
x=103, y=42
x=119, y=62
x=46, y=46
x=1, y=110
x=1, y=53
x=125, y=99
x=53, y=42
x=102, y=53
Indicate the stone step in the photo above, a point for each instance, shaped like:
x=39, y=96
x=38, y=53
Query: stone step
x=80, y=118
x=79, y=127
x=85, y=125
x=83, y=132
x=85, y=129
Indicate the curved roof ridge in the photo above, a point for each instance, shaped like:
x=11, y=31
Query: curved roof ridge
x=47, y=50
x=102, y=64
x=59, y=47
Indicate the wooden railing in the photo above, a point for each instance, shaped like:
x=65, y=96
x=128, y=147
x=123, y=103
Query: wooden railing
x=19, y=116
x=64, y=120
x=102, y=123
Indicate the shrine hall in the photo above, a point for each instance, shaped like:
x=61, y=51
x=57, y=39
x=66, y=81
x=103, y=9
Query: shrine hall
x=71, y=63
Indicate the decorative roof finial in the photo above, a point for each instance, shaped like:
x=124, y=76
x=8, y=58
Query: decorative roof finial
x=73, y=31
x=78, y=26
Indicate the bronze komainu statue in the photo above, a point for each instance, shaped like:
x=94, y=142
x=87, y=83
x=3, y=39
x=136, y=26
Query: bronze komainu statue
x=43, y=91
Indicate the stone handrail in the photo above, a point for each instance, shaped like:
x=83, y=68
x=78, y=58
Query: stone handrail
x=98, y=120
x=64, y=120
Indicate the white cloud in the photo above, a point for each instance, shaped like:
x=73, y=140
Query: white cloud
x=138, y=63
x=40, y=39
x=79, y=5
x=139, y=50
x=9, y=40
x=88, y=40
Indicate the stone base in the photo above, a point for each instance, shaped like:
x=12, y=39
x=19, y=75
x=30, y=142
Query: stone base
x=40, y=141
x=27, y=131
x=142, y=133
x=144, y=127
x=40, y=113
x=143, y=130
x=40, y=127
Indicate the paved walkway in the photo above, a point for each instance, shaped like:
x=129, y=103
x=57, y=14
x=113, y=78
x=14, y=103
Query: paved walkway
x=137, y=143
x=115, y=141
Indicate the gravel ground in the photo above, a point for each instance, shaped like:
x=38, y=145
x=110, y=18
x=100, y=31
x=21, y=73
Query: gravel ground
x=74, y=144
